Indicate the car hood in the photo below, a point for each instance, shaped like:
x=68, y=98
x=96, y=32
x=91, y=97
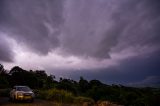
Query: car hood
x=25, y=91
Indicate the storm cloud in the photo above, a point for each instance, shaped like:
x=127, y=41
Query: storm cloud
x=139, y=71
x=82, y=28
x=6, y=53
x=35, y=23
x=82, y=34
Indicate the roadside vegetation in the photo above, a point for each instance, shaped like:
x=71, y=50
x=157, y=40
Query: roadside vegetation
x=75, y=92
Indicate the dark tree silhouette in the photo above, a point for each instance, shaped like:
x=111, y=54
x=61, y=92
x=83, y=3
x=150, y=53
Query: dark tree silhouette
x=94, y=89
x=83, y=84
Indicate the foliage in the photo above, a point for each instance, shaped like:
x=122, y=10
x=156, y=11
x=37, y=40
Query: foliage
x=81, y=100
x=70, y=91
x=62, y=96
x=4, y=92
x=56, y=95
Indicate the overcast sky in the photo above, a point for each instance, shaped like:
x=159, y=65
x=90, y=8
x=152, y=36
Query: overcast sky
x=115, y=41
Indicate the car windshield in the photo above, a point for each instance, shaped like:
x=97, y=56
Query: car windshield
x=23, y=89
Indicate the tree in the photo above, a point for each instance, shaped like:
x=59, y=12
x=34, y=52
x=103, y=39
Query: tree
x=94, y=83
x=2, y=70
x=3, y=77
x=16, y=69
x=83, y=85
x=3, y=82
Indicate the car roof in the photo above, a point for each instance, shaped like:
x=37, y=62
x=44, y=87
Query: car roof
x=20, y=86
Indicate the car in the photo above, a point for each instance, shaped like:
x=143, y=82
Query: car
x=22, y=93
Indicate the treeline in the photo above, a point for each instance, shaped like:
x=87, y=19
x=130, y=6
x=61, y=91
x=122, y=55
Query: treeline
x=93, y=89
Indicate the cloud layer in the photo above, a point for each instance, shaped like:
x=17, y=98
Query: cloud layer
x=92, y=34
x=82, y=28
x=35, y=23
x=6, y=53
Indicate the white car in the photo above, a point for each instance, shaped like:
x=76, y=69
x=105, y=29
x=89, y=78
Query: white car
x=22, y=93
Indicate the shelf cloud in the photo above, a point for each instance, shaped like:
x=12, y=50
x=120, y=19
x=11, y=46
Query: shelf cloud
x=83, y=35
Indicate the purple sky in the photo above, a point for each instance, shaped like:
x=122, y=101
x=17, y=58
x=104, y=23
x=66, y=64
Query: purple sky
x=115, y=41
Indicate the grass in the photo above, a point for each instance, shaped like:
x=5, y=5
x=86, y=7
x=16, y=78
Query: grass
x=61, y=96
x=53, y=97
x=36, y=103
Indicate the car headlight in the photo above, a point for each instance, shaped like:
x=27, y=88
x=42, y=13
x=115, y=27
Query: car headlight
x=19, y=94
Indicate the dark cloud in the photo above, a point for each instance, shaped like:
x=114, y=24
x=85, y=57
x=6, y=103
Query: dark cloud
x=6, y=53
x=132, y=71
x=92, y=28
x=95, y=28
x=82, y=28
x=35, y=23
x=150, y=81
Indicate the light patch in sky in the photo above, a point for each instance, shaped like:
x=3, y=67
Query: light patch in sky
x=27, y=59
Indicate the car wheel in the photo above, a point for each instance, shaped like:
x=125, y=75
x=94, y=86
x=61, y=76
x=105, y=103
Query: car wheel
x=14, y=98
x=32, y=100
x=10, y=99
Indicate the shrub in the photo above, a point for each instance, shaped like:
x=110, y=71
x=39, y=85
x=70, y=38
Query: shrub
x=4, y=92
x=3, y=82
x=81, y=100
x=61, y=96
x=56, y=95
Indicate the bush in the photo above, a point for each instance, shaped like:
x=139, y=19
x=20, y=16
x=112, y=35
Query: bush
x=61, y=96
x=56, y=95
x=81, y=100
x=4, y=92
x=3, y=82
